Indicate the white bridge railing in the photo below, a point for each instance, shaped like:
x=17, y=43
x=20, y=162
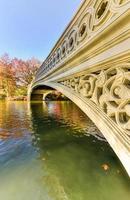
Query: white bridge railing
x=92, y=18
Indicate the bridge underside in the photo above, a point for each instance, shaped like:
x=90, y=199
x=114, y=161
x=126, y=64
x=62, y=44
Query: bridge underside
x=90, y=64
x=46, y=93
x=39, y=93
x=115, y=134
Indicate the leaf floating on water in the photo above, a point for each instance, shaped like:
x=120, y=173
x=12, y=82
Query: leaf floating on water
x=105, y=167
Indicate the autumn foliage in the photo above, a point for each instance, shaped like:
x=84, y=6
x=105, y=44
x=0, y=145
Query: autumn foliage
x=16, y=74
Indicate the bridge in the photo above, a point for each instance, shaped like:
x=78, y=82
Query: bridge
x=40, y=94
x=46, y=94
x=90, y=64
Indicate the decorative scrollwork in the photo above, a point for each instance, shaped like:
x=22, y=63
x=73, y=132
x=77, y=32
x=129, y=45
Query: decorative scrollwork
x=102, y=9
x=109, y=89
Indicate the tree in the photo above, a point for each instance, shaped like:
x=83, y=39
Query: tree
x=25, y=70
x=16, y=74
x=7, y=75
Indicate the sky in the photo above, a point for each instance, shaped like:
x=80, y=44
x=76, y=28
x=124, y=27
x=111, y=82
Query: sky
x=30, y=28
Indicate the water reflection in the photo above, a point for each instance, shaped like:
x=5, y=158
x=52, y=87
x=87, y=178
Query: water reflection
x=12, y=116
x=48, y=156
x=68, y=115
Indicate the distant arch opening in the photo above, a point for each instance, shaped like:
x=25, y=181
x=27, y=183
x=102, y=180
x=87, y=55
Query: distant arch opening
x=46, y=93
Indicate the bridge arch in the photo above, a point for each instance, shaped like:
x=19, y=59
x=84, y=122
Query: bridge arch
x=44, y=93
x=39, y=92
x=113, y=134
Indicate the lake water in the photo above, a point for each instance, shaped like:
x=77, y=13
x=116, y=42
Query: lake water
x=52, y=151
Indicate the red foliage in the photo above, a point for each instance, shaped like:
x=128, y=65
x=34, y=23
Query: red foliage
x=16, y=73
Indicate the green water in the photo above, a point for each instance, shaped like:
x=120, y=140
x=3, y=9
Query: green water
x=50, y=151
